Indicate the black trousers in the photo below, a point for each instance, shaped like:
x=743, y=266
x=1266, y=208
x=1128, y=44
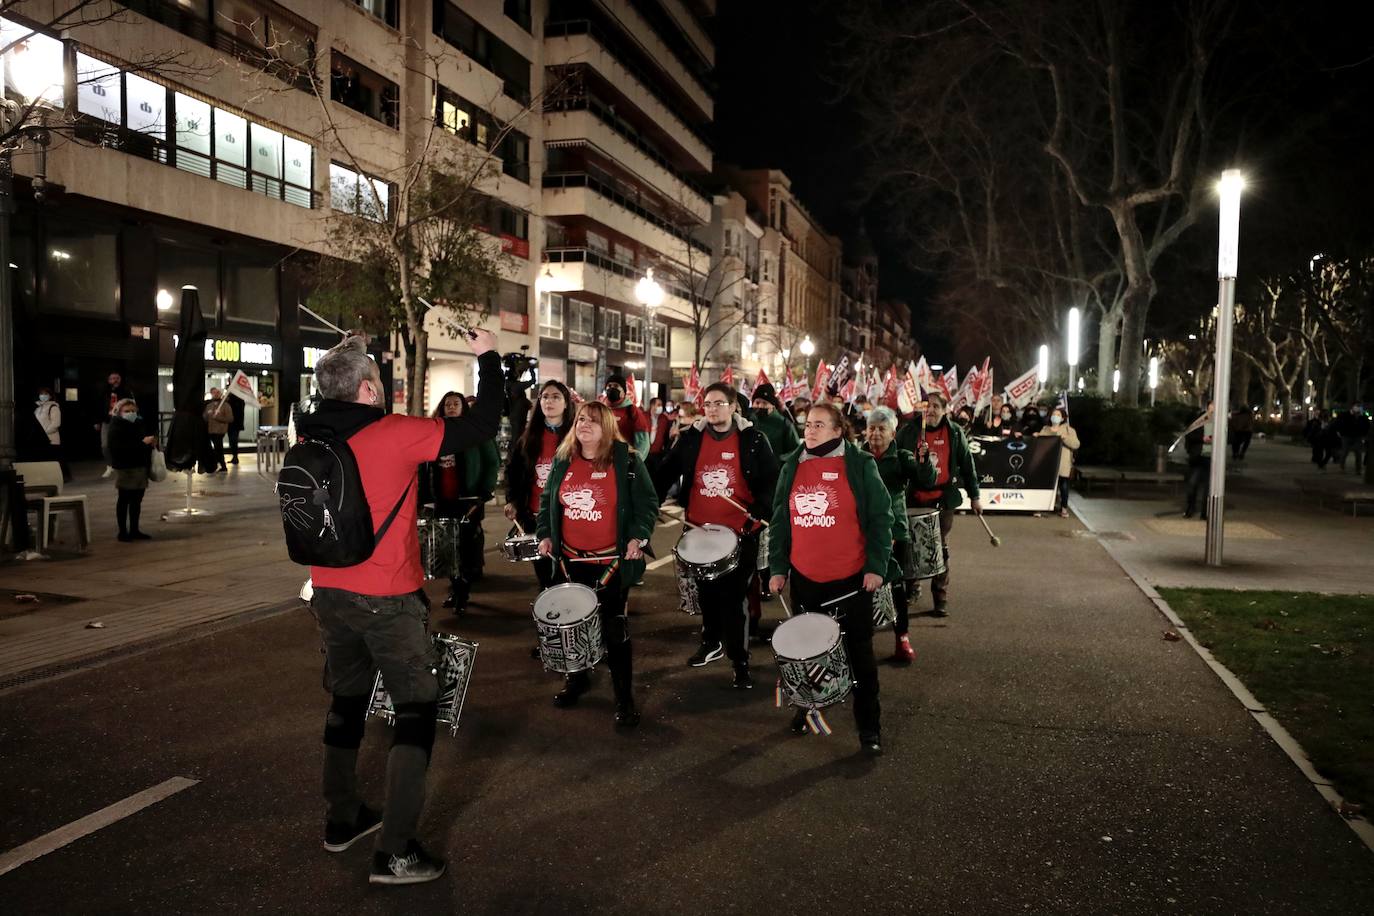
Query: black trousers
x=615, y=624
x=234, y=443
x=1197, y=485
x=217, y=450
x=128, y=506
x=725, y=604
x=855, y=616
x=901, y=551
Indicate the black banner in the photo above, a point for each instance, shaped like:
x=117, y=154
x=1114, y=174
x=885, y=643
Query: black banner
x=1017, y=474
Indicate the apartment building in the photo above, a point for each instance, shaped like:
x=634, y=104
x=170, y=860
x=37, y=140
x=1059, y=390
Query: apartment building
x=627, y=110
x=188, y=147
x=859, y=297
x=726, y=331
x=892, y=340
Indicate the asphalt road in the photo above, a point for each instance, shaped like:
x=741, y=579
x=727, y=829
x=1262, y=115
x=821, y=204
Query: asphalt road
x=1048, y=752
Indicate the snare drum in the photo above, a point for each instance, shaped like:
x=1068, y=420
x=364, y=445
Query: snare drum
x=763, y=553
x=438, y=547
x=455, y=672
x=812, y=667
x=884, y=608
x=927, y=547
x=520, y=548
x=707, y=552
x=569, y=628
x=688, y=597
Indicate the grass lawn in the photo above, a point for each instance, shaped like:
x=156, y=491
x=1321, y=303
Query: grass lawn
x=1309, y=658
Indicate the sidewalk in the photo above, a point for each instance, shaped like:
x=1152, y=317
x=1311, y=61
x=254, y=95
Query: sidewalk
x=1276, y=538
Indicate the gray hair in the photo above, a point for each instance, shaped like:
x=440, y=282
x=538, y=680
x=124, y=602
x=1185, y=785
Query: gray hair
x=883, y=416
x=346, y=366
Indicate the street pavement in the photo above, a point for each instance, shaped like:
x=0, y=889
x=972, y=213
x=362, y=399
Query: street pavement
x=1276, y=536
x=1048, y=752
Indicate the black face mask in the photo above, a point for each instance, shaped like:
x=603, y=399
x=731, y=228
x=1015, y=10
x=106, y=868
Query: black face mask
x=614, y=394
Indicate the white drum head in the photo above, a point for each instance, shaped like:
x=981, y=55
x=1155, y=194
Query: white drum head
x=707, y=544
x=806, y=636
x=564, y=605
x=921, y=513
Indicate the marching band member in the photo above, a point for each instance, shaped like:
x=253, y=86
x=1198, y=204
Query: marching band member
x=832, y=536
x=531, y=459
x=949, y=453
x=459, y=487
x=900, y=470
x=599, y=502
x=726, y=472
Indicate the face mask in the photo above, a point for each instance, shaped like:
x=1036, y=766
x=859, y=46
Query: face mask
x=614, y=395
x=1006, y=415
x=1055, y=420
x=45, y=397
x=129, y=416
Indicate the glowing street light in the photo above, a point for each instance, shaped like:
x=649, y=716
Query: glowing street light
x=1228, y=256
x=164, y=300
x=1154, y=378
x=1042, y=369
x=1116, y=380
x=1071, y=351
x=650, y=295
x=808, y=349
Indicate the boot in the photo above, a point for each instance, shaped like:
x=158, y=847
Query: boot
x=903, y=654
x=573, y=687
x=626, y=715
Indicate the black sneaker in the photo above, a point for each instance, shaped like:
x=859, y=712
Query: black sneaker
x=705, y=654
x=626, y=715
x=573, y=688
x=338, y=837
x=123, y=536
x=871, y=745
x=139, y=536
x=941, y=610
x=415, y=866
x=799, y=722
x=742, y=679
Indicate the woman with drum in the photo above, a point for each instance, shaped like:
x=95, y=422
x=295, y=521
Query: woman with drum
x=832, y=537
x=900, y=470
x=949, y=453
x=531, y=458
x=596, y=516
x=458, y=486
x=725, y=471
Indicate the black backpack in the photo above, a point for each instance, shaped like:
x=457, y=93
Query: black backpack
x=324, y=510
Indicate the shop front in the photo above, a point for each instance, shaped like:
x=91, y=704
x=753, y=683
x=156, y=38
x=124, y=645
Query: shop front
x=260, y=361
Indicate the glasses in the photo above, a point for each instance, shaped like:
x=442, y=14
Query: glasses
x=716, y=403
x=820, y=425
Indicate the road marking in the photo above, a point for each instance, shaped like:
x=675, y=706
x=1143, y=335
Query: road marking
x=661, y=561
x=49, y=842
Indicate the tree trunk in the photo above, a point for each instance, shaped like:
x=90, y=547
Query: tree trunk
x=1244, y=375
x=1106, y=350
x=1135, y=306
x=419, y=372
x=1268, y=397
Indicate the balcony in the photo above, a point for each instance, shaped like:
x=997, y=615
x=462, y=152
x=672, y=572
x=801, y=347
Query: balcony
x=600, y=187
x=586, y=269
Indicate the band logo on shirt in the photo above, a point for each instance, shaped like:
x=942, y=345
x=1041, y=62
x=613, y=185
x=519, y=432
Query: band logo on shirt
x=715, y=481
x=541, y=474
x=812, y=507
x=580, y=505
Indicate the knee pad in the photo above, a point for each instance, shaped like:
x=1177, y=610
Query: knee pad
x=415, y=725
x=343, y=727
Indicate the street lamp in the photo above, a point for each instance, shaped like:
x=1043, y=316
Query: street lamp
x=650, y=295
x=1154, y=378
x=1072, y=355
x=807, y=348
x=1116, y=380
x=1042, y=369
x=1228, y=253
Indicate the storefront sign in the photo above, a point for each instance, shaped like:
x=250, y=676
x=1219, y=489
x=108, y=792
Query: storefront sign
x=515, y=321
x=311, y=355
x=222, y=350
x=1016, y=474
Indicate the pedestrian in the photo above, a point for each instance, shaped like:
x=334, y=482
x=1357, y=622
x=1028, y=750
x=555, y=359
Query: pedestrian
x=998, y=420
x=237, y=406
x=725, y=472
x=660, y=423
x=458, y=486
x=773, y=421
x=1242, y=428
x=599, y=507
x=686, y=415
x=1316, y=435
x=1197, y=442
x=1059, y=426
x=131, y=453
x=964, y=417
x=633, y=422
x=831, y=537
x=529, y=463
x=1031, y=422
x=954, y=468
x=218, y=414
x=1353, y=429
x=374, y=615
x=900, y=471
x=48, y=413
x=114, y=392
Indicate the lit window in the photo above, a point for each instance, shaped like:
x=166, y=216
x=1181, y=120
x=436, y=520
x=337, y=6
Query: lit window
x=146, y=102
x=99, y=90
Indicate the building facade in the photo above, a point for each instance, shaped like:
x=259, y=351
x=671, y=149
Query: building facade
x=893, y=343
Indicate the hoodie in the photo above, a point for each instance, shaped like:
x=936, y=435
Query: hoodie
x=757, y=463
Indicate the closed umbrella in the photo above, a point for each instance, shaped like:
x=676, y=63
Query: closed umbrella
x=188, y=439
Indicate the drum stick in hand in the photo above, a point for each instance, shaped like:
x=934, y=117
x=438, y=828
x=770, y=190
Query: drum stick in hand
x=992, y=538
x=742, y=509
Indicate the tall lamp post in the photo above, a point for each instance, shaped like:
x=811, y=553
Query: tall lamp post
x=1071, y=356
x=650, y=295
x=1154, y=378
x=1228, y=253
x=1042, y=367
x=808, y=349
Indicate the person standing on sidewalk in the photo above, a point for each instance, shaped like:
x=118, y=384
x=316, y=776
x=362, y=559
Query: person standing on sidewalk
x=1069, y=438
x=832, y=537
x=599, y=508
x=218, y=414
x=374, y=614
x=726, y=473
x=1198, y=483
x=900, y=471
x=1353, y=429
x=49, y=416
x=458, y=486
x=948, y=451
x=131, y=452
x=1242, y=429
x=115, y=391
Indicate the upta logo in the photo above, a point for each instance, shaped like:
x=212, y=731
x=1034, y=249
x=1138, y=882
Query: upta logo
x=1007, y=496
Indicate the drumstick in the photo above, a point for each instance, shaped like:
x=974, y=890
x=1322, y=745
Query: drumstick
x=841, y=598
x=516, y=522
x=994, y=539
x=592, y=559
x=785, y=609
x=742, y=509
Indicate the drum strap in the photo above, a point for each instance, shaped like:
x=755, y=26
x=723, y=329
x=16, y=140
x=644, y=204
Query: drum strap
x=612, y=559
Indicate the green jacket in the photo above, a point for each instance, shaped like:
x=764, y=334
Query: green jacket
x=636, y=507
x=480, y=464
x=873, y=504
x=779, y=430
x=900, y=471
x=962, y=470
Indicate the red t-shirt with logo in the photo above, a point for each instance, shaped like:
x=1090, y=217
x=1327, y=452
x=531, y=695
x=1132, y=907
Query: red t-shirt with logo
x=631, y=420
x=938, y=440
x=547, y=447
x=717, y=476
x=589, y=498
x=827, y=542
x=389, y=453
x=449, y=482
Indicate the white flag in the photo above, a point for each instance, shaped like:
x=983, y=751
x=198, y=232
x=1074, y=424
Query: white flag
x=1023, y=389
x=241, y=387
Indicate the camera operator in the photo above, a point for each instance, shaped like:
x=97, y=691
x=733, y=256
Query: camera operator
x=520, y=369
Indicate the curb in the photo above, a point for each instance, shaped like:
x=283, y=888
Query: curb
x=1363, y=828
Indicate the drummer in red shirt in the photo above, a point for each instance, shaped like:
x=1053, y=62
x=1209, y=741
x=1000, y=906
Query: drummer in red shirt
x=726, y=472
x=531, y=458
x=832, y=537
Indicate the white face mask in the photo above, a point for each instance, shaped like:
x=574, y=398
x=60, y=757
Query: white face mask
x=1056, y=420
x=45, y=397
x=1006, y=415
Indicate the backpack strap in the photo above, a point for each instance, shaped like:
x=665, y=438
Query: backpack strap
x=381, y=532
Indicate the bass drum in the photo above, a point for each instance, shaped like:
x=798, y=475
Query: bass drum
x=927, y=546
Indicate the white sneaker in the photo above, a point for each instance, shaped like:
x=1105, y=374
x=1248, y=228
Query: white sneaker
x=108, y=471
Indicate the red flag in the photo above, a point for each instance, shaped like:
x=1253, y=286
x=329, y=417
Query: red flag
x=982, y=388
x=729, y=376
x=949, y=383
x=889, y=397
x=849, y=390
x=822, y=379
x=691, y=388
x=789, y=388
x=630, y=389
x=761, y=379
